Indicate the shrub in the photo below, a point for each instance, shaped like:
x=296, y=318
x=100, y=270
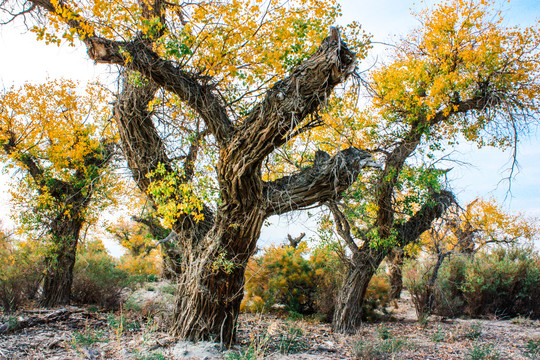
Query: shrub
x=330, y=272
x=379, y=349
x=500, y=282
x=532, y=349
x=96, y=277
x=473, y=331
x=145, y=267
x=482, y=352
x=505, y=282
x=280, y=276
x=21, y=272
x=283, y=275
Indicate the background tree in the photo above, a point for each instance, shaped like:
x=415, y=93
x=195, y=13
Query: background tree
x=462, y=75
x=465, y=231
x=60, y=141
x=213, y=67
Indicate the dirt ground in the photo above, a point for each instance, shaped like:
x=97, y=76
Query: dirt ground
x=88, y=334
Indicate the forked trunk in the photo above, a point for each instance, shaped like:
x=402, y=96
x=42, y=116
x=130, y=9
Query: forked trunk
x=348, y=312
x=60, y=262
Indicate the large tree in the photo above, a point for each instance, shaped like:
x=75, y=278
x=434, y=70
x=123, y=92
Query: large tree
x=210, y=72
x=461, y=76
x=59, y=140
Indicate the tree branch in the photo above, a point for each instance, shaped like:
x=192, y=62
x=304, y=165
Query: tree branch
x=325, y=180
x=343, y=228
x=135, y=55
x=421, y=221
x=273, y=121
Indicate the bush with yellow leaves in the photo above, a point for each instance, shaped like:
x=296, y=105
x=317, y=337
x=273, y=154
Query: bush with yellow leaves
x=305, y=281
x=280, y=276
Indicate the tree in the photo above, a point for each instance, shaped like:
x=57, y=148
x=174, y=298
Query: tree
x=59, y=140
x=213, y=67
x=461, y=75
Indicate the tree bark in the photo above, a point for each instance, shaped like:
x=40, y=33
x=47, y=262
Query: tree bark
x=216, y=250
x=60, y=261
x=366, y=259
x=396, y=276
x=348, y=312
x=424, y=306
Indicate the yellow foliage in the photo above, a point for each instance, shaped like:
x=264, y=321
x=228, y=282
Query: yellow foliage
x=459, y=72
x=143, y=264
x=56, y=133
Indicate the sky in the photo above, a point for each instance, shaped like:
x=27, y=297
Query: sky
x=24, y=59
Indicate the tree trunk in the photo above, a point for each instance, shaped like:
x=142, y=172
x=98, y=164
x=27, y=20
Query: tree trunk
x=212, y=286
x=348, y=312
x=60, y=262
x=424, y=307
x=396, y=277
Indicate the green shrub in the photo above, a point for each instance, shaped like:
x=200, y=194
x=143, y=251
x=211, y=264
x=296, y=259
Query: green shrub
x=501, y=282
x=379, y=350
x=439, y=335
x=504, y=282
x=473, y=331
x=532, y=349
x=281, y=276
x=21, y=272
x=291, y=340
x=96, y=278
x=482, y=352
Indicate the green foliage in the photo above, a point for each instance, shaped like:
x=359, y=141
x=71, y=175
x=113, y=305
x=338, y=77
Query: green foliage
x=151, y=356
x=291, y=341
x=379, y=349
x=473, y=331
x=504, y=281
x=121, y=323
x=384, y=332
x=482, y=352
x=532, y=349
x=88, y=337
x=96, y=277
x=281, y=276
x=439, y=335
x=255, y=350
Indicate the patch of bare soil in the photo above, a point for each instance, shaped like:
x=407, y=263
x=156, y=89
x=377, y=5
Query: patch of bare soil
x=84, y=334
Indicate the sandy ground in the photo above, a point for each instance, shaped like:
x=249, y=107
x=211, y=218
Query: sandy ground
x=97, y=335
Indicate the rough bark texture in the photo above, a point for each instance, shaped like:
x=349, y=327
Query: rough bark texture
x=395, y=260
x=348, y=311
x=60, y=262
x=215, y=251
x=64, y=229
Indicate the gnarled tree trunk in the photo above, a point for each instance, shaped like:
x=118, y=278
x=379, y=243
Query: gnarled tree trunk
x=60, y=261
x=366, y=259
x=348, y=312
x=215, y=251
